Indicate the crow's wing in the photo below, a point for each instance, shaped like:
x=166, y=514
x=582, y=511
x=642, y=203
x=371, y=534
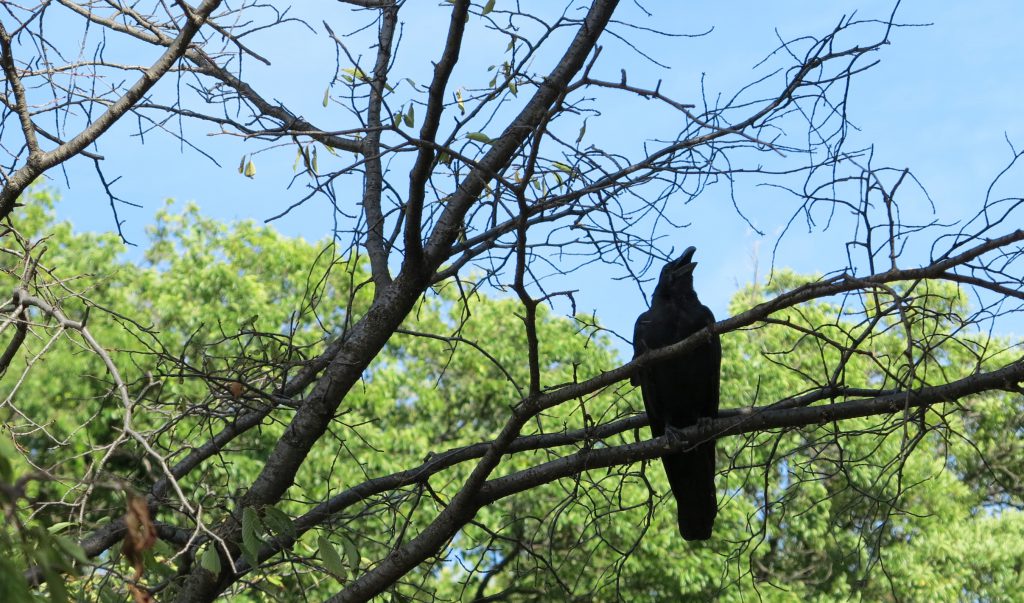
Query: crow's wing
x=710, y=361
x=641, y=336
x=645, y=336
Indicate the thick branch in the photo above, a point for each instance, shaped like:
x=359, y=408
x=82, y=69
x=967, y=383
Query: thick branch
x=20, y=100
x=460, y=508
x=373, y=182
x=504, y=147
x=436, y=463
x=425, y=156
x=587, y=459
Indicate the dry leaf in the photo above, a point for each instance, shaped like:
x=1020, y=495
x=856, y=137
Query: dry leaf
x=139, y=536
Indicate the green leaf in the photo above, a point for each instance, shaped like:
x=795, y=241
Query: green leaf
x=410, y=117
x=12, y=580
x=565, y=168
x=351, y=554
x=487, y=7
x=7, y=452
x=513, y=87
x=210, y=561
x=356, y=73
x=251, y=541
x=241, y=165
x=458, y=99
x=327, y=96
x=250, y=169
x=73, y=549
x=278, y=522
x=332, y=560
x=479, y=137
x=59, y=527
x=583, y=130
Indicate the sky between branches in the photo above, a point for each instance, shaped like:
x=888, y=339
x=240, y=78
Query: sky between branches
x=943, y=102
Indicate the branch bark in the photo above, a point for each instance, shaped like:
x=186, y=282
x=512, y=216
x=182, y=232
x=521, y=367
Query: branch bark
x=369, y=335
x=373, y=182
x=1006, y=378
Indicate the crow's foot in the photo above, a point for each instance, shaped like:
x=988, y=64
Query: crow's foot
x=674, y=434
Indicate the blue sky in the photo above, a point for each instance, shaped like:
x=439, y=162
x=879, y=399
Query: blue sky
x=942, y=102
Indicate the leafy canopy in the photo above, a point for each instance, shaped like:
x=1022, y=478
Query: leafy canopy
x=819, y=514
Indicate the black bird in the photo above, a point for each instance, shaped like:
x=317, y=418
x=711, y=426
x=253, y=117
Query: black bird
x=683, y=390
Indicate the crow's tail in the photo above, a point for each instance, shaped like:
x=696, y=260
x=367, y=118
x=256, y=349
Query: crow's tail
x=692, y=477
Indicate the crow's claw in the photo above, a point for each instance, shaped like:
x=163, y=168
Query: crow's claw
x=674, y=434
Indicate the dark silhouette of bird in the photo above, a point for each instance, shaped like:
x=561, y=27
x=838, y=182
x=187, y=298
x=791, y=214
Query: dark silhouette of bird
x=682, y=390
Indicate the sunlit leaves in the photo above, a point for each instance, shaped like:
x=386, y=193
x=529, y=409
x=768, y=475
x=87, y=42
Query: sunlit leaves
x=202, y=279
x=354, y=73
x=565, y=168
x=307, y=155
x=459, y=101
x=246, y=167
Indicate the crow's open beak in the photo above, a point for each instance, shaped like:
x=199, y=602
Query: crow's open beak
x=687, y=256
x=685, y=268
x=684, y=263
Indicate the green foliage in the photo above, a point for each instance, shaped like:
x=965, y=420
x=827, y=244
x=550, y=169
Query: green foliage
x=873, y=509
x=24, y=542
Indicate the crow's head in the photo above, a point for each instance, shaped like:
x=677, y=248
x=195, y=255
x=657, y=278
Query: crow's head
x=677, y=276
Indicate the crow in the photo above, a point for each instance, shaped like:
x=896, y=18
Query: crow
x=683, y=390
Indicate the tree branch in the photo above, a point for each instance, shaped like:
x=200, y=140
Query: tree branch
x=41, y=162
x=1005, y=378
x=425, y=156
x=376, y=246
